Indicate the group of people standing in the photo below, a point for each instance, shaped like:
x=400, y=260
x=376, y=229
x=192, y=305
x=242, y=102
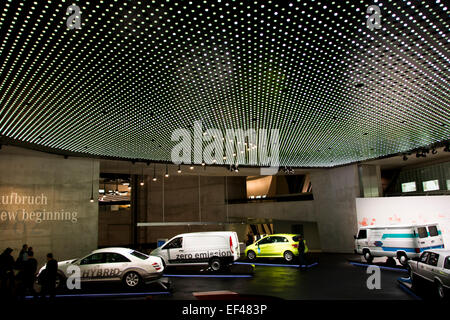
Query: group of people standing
x=18, y=277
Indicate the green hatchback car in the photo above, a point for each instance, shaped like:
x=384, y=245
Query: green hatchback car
x=274, y=246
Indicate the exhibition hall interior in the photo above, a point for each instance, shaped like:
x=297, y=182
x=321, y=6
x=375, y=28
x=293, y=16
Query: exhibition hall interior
x=224, y=150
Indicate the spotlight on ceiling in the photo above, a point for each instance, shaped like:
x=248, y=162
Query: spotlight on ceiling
x=191, y=167
x=167, y=172
x=142, y=178
x=179, y=168
x=154, y=173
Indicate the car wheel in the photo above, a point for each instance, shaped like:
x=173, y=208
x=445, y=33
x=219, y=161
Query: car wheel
x=251, y=255
x=403, y=259
x=368, y=257
x=440, y=290
x=132, y=279
x=288, y=256
x=215, y=264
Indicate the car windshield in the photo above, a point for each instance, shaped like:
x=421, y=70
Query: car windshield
x=139, y=255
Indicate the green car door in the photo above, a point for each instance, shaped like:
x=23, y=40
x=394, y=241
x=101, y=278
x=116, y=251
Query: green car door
x=279, y=246
x=263, y=247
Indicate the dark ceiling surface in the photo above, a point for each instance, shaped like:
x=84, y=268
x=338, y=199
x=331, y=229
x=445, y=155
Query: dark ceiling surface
x=138, y=70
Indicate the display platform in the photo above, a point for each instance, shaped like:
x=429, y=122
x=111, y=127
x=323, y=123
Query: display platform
x=233, y=271
x=381, y=265
x=406, y=285
x=118, y=295
x=276, y=264
x=111, y=290
x=230, y=295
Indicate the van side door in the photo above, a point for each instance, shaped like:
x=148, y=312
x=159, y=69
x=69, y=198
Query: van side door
x=423, y=237
x=174, y=250
x=435, y=238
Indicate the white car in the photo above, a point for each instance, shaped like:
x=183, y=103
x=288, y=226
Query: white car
x=434, y=267
x=131, y=267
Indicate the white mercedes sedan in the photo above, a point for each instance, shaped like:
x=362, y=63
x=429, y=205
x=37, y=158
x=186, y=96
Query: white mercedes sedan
x=129, y=266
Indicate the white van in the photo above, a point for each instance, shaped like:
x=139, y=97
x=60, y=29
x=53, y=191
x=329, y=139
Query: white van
x=400, y=241
x=216, y=249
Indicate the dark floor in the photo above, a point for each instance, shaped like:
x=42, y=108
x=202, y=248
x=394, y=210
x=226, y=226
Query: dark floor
x=333, y=278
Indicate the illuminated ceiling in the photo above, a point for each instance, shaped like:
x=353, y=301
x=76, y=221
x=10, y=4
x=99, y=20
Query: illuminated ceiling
x=138, y=70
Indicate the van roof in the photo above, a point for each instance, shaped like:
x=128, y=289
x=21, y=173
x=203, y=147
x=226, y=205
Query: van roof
x=399, y=226
x=205, y=233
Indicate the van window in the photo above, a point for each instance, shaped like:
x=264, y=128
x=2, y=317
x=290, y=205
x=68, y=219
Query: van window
x=422, y=232
x=362, y=234
x=447, y=263
x=424, y=257
x=433, y=260
x=433, y=231
x=176, y=243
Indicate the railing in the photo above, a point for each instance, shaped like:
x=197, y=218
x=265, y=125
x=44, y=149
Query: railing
x=306, y=196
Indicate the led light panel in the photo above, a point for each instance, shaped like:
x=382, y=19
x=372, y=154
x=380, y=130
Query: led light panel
x=137, y=70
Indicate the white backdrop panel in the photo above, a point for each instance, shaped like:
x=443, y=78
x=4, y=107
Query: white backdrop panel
x=406, y=210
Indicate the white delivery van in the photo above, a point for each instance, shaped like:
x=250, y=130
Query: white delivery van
x=397, y=241
x=216, y=249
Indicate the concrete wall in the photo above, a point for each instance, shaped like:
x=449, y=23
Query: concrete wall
x=53, y=185
x=334, y=192
x=290, y=210
x=114, y=227
x=310, y=232
x=185, y=198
